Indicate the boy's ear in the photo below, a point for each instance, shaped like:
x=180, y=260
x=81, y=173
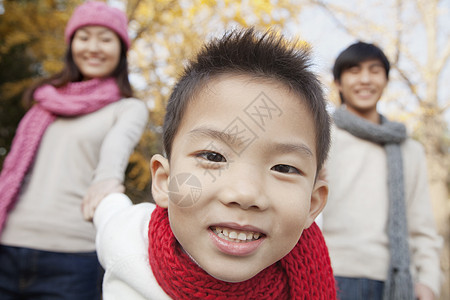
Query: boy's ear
x=319, y=198
x=160, y=169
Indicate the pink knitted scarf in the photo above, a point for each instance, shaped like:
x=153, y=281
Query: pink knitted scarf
x=74, y=99
x=305, y=273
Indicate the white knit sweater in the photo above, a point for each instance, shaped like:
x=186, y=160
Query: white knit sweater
x=355, y=217
x=122, y=249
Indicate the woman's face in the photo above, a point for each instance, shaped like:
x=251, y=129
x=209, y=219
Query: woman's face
x=95, y=51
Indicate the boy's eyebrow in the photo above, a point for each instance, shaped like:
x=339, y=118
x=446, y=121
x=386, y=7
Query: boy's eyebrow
x=215, y=134
x=301, y=148
x=293, y=147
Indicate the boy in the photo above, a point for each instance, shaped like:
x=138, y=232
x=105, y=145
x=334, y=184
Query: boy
x=245, y=134
x=378, y=222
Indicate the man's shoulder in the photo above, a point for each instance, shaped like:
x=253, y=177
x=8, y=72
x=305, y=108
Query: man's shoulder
x=341, y=138
x=412, y=147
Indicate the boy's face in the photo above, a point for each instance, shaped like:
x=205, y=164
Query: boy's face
x=362, y=86
x=240, y=187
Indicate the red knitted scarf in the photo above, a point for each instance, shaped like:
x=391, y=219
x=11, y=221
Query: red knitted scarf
x=305, y=273
x=74, y=99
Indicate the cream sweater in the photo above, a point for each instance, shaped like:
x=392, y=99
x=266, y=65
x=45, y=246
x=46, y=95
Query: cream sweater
x=73, y=154
x=355, y=217
x=122, y=249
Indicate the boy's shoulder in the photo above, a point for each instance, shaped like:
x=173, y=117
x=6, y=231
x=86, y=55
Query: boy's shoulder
x=122, y=248
x=121, y=226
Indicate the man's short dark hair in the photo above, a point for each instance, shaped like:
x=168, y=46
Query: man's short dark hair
x=261, y=55
x=356, y=54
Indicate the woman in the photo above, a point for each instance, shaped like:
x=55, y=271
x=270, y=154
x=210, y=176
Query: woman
x=70, y=150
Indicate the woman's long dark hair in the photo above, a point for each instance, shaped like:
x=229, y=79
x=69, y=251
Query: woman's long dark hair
x=71, y=73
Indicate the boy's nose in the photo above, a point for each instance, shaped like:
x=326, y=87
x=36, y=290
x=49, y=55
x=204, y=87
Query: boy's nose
x=244, y=191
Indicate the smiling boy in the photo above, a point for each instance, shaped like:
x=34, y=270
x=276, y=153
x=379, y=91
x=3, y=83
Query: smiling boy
x=245, y=134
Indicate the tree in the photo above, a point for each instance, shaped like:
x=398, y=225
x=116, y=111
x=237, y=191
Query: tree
x=31, y=45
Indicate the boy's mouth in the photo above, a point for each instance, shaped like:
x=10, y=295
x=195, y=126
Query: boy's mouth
x=236, y=236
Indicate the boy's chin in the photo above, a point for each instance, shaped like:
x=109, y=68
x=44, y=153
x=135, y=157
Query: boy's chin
x=233, y=278
x=233, y=275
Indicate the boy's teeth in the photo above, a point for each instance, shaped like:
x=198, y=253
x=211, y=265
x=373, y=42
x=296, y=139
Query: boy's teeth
x=242, y=236
x=236, y=236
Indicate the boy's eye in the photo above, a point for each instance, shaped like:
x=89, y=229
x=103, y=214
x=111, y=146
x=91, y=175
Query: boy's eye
x=212, y=156
x=285, y=169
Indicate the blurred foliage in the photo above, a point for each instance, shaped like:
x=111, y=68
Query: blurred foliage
x=31, y=46
x=14, y=76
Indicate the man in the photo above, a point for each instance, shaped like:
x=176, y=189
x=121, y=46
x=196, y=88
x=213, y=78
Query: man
x=378, y=223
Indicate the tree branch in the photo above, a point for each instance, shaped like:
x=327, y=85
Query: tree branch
x=330, y=11
x=409, y=83
x=398, y=32
x=444, y=108
x=445, y=57
x=133, y=10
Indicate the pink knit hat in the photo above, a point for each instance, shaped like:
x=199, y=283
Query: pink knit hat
x=98, y=13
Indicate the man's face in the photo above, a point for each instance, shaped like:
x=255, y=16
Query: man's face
x=241, y=187
x=361, y=86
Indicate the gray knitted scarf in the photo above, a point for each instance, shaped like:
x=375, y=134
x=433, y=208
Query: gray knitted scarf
x=398, y=285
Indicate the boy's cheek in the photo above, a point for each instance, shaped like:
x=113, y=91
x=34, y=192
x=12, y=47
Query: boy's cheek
x=184, y=189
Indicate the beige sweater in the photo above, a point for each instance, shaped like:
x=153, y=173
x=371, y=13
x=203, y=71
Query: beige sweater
x=73, y=154
x=355, y=217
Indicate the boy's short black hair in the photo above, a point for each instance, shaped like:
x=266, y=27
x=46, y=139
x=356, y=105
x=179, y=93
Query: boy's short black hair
x=356, y=54
x=261, y=55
